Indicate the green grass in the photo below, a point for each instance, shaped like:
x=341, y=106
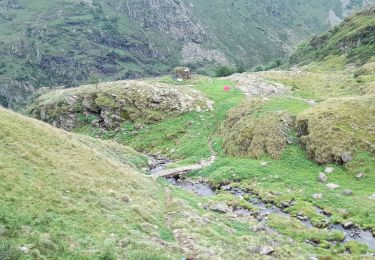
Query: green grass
x=66, y=196
x=184, y=137
x=294, y=177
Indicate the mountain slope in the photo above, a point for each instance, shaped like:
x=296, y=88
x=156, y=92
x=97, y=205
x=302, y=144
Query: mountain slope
x=60, y=42
x=354, y=39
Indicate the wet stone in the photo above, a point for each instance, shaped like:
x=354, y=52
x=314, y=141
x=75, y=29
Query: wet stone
x=348, y=225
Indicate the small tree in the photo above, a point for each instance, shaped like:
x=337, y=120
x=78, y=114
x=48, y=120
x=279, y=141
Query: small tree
x=94, y=80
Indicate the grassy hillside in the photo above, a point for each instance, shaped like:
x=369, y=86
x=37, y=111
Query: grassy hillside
x=61, y=42
x=354, y=39
x=66, y=196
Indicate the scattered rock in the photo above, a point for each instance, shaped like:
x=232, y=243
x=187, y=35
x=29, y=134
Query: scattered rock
x=329, y=170
x=302, y=217
x=259, y=227
x=360, y=175
x=182, y=73
x=266, y=250
x=323, y=223
x=322, y=178
x=346, y=157
x=317, y=196
x=348, y=225
x=313, y=258
x=264, y=164
x=124, y=242
x=126, y=199
x=344, y=213
x=348, y=192
x=372, y=197
x=226, y=188
x=220, y=208
x=24, y=249
x=332, y=186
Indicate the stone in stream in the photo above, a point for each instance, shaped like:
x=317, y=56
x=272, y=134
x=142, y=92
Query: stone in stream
x=317, y=196
x=348, y=192
x=329, y=170
x=332, y=186
x=322, y=178
x=348, y=225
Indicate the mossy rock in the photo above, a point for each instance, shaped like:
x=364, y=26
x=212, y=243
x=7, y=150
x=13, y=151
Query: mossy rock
x=112, y=103
x=250, y=132
x=336, y=129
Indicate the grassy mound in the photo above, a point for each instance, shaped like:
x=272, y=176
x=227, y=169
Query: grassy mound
x=257, y=127
x=334, y=130
x=110, y=104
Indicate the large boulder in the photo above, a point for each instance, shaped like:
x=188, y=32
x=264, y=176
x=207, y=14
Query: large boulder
x=110, y=104
x=337, y=128
x=248, y=132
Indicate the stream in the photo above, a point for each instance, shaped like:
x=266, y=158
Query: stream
x=203, y=189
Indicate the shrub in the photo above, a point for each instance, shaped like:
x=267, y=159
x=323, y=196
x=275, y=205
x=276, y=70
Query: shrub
x=223, y=71
x=258, y=68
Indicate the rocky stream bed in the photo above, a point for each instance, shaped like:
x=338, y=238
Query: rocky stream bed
x=200, y=188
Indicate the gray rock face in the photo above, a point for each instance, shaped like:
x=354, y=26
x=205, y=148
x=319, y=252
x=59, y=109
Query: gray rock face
x=173, y=19
x=322, y=178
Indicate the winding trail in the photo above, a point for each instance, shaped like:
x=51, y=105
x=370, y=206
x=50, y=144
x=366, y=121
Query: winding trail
x=171, y=173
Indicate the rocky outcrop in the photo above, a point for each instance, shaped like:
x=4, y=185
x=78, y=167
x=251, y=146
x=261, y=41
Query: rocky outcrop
x=337, y=128
x=107, y=105
x=173, y=19
x=255, y=86
x=248, y=132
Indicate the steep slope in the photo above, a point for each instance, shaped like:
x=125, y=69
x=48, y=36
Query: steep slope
x=354, y=39
x=60, y=42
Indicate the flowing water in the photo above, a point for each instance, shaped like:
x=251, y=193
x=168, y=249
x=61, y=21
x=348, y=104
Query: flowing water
x=203, y=189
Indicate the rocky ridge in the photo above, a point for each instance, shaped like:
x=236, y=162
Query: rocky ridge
x=107, y=105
